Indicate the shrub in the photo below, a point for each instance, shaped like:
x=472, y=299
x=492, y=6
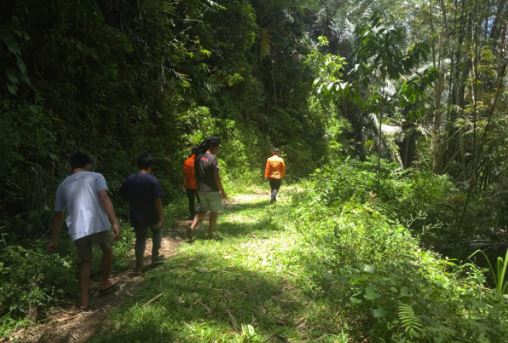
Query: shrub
x=368, y=264
x=30, y=279
x=373, y=269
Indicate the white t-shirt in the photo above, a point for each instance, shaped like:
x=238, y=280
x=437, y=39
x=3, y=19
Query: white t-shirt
x=78, y=196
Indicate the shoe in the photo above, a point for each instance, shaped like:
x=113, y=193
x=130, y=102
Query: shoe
x=158, y=260
x=138, y=271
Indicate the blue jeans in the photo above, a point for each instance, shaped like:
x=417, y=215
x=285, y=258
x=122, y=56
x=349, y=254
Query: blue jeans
x=139, y=249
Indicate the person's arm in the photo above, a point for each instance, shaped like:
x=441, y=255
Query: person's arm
x=158, y=209
x=56, y=227
x=267, y=169
x=107, y=205
x=219, y=185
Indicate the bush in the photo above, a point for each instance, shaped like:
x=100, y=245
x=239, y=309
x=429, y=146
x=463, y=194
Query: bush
x=425, y=203
x=30, y=279
x=372, y=269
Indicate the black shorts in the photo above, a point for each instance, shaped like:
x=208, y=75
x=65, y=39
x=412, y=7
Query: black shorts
x=104, y=239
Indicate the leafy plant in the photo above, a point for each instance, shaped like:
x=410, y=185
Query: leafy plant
x=499, y=274
x=411, y=324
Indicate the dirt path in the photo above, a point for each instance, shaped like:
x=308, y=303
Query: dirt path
x=70, y=324
x=73, y=325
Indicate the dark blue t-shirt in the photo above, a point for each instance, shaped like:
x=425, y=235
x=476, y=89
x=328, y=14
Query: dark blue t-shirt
x=140, y=190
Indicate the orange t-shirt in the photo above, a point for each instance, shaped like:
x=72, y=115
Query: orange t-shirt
x=188, y=172
x=275, y=168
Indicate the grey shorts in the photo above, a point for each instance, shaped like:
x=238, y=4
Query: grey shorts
x=103, y=239
x=210, y=201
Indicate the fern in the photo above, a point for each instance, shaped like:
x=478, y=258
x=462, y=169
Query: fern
x=411, y=324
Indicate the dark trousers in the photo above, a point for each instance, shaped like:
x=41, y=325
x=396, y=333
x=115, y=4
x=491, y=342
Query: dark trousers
x=274, y=185
x=139, y=249
x=192, y=195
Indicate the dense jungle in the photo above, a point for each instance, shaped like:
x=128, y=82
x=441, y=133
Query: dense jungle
x=392, y=120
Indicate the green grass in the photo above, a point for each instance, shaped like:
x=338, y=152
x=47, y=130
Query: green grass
x=245, y=286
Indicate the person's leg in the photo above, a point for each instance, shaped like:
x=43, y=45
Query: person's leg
x=105, y=242
x=107, y=261
x=271, y=190
x=197, y=199
x=274, y=185
x=191, y=199
x=212, y=223
x=215, y=207
x=84, y=252
x=156, y=244
x=277, y=188
x=198, y=218
x=84, y=280
x=139, y=248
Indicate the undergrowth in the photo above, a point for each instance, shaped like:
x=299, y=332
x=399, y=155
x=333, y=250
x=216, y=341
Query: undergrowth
x=307, y=271
x=332, y=262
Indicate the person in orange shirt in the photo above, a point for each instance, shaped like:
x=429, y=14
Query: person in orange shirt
x=189, y=181
x=275, y=171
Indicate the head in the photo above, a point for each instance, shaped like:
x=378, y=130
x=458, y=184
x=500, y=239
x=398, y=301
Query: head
x=145, y=162
x=80, y=160
x=213, y=144
x=275, y=151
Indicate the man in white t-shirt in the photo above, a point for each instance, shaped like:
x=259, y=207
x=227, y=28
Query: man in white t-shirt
x=83, y=195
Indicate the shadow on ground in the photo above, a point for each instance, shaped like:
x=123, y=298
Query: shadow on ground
x=239, y=207
x=192, y=290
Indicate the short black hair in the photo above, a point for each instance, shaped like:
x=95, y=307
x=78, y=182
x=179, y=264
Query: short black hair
x=145, y=161
x=79, y=160
x=275, y=150
x=213, y=141
x=195, y=149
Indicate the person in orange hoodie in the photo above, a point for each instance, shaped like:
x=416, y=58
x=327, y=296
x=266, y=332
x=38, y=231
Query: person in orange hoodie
x=275, y=171
x=189, y=181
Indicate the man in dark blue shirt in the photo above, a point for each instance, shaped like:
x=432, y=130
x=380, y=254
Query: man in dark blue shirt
x=144, y=193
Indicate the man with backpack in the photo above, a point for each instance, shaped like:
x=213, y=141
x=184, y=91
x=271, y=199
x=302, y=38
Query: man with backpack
x=210, y=190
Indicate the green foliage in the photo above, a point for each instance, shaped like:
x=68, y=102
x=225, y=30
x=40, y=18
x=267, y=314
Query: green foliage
x=409, y=321
x=31, y=280
x=498, y=274
x=117, y=78
x=373, y=267
x=15, y=68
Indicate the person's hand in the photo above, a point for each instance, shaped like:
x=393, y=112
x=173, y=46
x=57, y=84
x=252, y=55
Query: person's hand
x=52, y=245
x=223, y=195
x=116, y=231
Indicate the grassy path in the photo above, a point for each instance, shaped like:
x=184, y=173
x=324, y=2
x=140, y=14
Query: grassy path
x=240, y=287
x=249, y=284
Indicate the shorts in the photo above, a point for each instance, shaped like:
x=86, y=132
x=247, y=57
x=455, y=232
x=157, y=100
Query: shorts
x=210, y=201
x=104, y=239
